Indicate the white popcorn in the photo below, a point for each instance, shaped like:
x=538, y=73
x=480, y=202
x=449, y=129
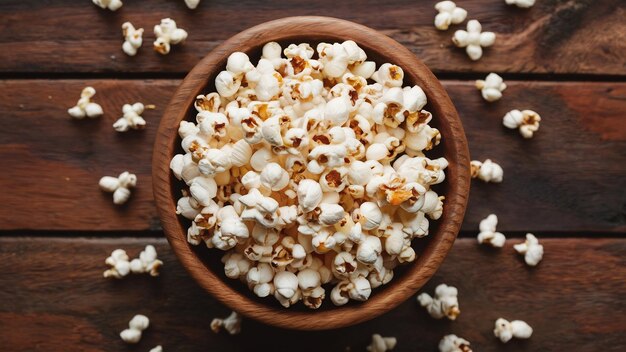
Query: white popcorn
x=474, y=39
x=488, y=234
x=444, y=304
x=167, y=33
x=136, y=326
x=147, y=262
x=448, y=14
x=487, y=171
x=370, y=215
x=330, y=214
x=530, y=249
x=505, y=330
x=85, y=107
x=192, y=4
x=526, y=120
x=369, y=250
x=260, y=158
x=305, y=173
x=274, y=177
x=382, y=344
x=112, y=5
x=389, y=75
x=119, y=263
x=132, y=38
x=309, y=195
x=521, y=3
x=158, y=348
x=120, y=186
x=491, y=88
x=232, y=324
x=259, y=208
x=453, y=343
x=132, y=118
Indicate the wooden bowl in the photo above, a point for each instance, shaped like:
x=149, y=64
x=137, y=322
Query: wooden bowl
x=204, y=265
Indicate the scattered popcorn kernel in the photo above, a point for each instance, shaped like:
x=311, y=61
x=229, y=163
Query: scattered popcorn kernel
x=521, y=3
x=147, y=262
x=453, y=343
x=132, y=38
x=232, y=324
x=526, y=120
x=120, y=186
x=306, y=167
x=449, y=14
x=530, y=249
x=382, y=344
x=192, y=4
x=488, y=234
x=444, y=304
x=505, y=330
x=487, y=171
x=85, y=107
x=136, y=326
x=119, y=264
x=474, y=39
x=132, y=118
x=112, y=5
x=167, y=34
x=158, y=348
x=491, y=88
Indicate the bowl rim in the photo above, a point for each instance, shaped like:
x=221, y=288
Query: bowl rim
x=457, y=154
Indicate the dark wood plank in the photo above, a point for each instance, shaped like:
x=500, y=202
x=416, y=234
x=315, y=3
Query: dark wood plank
x=555, y=36
x=568, y=178
x=56, y=297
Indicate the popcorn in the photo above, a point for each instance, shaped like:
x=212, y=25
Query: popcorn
x=487, y=171
x=147, y=262
x=448, y=14
x=274, y=177
x=158, y=348
x=505, y=330
x=136, y=326
x=491, y=88
x=192, y=4
x=530, y=249
x=474, y=39
x=389, y=75
x=120, y=186
x=232, y=324
x=382, y=344
x=167, y=34
x=526, y=120
x=112, y=5
x=307, y=168
x=309, y=195
x=132, y=38
x=120, y=267
x=85, y=107
x=488, y=234
x=453, y=343
x=520, y=3
x=444, y=304
x=131, y=119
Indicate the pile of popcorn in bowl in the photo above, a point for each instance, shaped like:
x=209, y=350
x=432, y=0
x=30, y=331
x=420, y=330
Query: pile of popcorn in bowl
x=308, y=170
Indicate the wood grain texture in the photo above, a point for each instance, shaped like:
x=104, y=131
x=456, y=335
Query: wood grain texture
x=573, y=300
x=380, y=49
x=555, y=36
x=569, y=178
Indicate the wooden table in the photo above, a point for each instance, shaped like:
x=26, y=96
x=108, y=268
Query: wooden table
x=564, y=59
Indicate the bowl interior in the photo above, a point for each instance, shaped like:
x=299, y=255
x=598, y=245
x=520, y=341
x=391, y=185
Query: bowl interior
x=204, y=264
